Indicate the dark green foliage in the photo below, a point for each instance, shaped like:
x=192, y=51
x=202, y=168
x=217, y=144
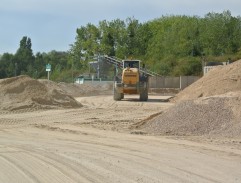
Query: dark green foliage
x=24, y=62
x=24, y=58
x=7, y=66
x=169, y=45
x=188, y=66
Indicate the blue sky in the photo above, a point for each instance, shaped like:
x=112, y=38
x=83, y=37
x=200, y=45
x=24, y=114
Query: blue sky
x=51, y=24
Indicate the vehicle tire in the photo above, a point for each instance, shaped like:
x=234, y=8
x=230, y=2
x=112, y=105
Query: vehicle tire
x=144, y=94
x=117, y=96
x=122, y=95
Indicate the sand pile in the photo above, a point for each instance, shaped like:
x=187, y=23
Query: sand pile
x=218, y=81
x=210, y=106
x=22, y=92
x=215, y=116
x=79, y=90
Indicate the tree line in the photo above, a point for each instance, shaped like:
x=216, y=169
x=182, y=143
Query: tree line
x=169, y=45
x=24, y=62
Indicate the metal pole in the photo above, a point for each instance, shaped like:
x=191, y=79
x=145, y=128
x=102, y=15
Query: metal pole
x=72, y=67
x=180, y=80
x=98, y=69
x=48, y=75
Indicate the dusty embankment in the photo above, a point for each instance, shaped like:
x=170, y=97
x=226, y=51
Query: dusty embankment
x=210, y=107
x=26, y=94
x=50, y=141
x=82, y=145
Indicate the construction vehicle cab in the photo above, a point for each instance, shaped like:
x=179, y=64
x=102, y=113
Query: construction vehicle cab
x=131, y=81
x=131, y=64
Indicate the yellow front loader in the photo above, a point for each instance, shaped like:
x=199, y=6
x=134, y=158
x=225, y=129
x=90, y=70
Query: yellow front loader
x=131, y=81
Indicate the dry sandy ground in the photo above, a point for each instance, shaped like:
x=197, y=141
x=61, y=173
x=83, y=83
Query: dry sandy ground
x=85, y=145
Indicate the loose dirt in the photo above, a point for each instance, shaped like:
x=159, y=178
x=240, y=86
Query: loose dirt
x=81, y=90
x=24, y=93
x=210, y=107
x=210, y=116
x=46, y=135
x=85, y=145
x=220, y=80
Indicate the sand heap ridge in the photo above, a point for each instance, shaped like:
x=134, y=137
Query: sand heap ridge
x=23, y=92
x=218, y=81
x=210, y=106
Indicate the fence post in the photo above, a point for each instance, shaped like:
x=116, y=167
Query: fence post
x=180, y=82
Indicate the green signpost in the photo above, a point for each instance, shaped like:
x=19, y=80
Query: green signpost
x=48, y=69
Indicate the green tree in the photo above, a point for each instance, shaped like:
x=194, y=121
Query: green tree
x=220, y=33
x=24, y=57
x=132, y=39
x=7, y=66
x=170, y=45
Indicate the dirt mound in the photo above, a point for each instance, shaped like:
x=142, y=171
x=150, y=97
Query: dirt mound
x=210, y=106
x=219, y=80
x=22, y=92
x=79, y=90
x=215, y=116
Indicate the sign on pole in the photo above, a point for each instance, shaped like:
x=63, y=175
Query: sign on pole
x=48, y=69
